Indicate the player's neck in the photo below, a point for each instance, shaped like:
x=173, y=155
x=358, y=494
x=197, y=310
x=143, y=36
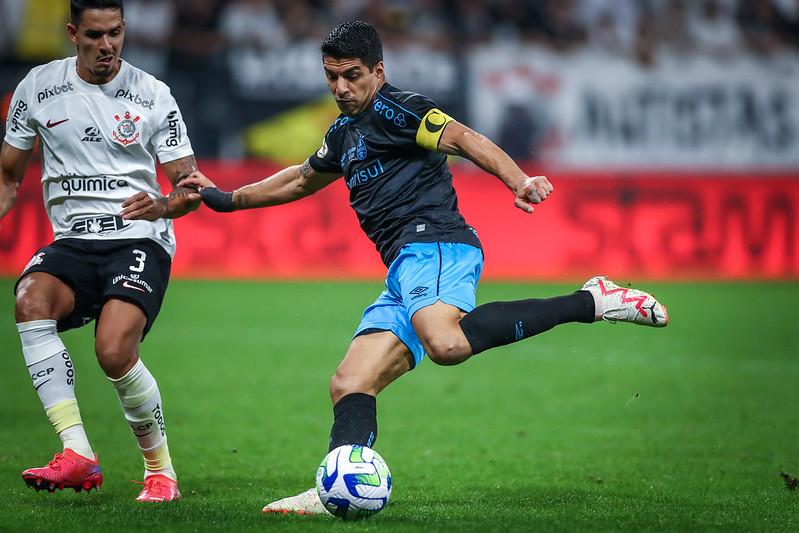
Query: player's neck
x=89, y=77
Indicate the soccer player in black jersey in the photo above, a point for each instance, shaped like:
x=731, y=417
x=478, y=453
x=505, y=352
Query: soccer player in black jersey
x=390, y=146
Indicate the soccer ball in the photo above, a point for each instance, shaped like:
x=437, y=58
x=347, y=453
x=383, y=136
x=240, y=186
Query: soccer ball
x=353, y=482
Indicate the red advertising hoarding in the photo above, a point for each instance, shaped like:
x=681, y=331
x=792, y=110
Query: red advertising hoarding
x=636, y=225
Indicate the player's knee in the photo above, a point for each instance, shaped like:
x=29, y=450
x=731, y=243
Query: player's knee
x=31, y=306
x=446, y=350
x=342, y=384
x=115, y=356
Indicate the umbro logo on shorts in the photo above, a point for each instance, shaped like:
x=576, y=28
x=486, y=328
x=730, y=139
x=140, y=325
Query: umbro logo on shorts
x=419, y=291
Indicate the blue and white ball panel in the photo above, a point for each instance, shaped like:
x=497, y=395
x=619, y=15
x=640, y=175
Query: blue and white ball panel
x=421, y=275
x=353, y=482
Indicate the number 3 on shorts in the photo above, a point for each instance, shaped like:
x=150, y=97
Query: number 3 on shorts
x=140, y=258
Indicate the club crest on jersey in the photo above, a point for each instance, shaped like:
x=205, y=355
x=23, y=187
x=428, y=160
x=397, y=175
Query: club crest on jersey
x=126, y=132
x=359, y=152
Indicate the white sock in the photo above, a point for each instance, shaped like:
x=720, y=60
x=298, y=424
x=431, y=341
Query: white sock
x=53, y=376
x=141, y=403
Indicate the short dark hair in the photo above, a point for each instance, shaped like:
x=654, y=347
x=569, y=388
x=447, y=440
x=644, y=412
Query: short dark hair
x=354, y=39
x=77, y=7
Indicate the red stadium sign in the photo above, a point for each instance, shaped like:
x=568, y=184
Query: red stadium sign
x=654, y=226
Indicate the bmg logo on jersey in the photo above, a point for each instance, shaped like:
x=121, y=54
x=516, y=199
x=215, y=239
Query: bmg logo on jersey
x=17, y=111
x=55, y=90
x=173, y=123
x=125, y=94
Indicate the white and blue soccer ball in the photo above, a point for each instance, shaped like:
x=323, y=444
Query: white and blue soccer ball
x=353, y=482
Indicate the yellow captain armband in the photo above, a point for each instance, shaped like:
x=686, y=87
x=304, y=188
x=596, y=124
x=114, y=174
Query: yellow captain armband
x=431, y=128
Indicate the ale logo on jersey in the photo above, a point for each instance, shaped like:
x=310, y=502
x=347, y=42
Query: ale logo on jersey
x=126, y=132
x=91, y=135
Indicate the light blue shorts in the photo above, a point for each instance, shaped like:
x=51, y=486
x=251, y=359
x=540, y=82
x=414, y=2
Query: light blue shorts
x=421, y=275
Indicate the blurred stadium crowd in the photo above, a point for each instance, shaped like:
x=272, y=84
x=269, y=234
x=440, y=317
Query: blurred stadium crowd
x=261, y=55
x=177, y=32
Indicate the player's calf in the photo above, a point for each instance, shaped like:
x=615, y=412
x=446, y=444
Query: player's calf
x=53, y=374
x=499, y=323
x=141, y=403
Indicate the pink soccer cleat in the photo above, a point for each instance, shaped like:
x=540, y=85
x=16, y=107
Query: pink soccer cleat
x=622, y=304
x=67, y=470
x=158, y=488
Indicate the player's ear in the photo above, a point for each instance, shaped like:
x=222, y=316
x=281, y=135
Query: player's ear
x=379, y=69
x=72, y=31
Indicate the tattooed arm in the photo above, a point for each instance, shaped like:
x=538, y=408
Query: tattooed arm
x=181, y=201
x=289, y=184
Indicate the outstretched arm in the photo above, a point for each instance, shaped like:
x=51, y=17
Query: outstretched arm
x=287, y=185
x=181, y=201
x=13, y=163
x=460, y=140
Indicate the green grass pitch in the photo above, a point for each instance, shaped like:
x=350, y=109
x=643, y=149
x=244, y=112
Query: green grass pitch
x=596, y=427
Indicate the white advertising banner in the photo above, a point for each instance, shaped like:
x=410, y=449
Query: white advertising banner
x=593, y=110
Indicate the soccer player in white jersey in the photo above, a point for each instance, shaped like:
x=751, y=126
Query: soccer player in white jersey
x=102, y=123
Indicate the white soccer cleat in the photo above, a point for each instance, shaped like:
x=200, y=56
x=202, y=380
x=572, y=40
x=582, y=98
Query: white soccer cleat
x=303, y=503
x=620, y=304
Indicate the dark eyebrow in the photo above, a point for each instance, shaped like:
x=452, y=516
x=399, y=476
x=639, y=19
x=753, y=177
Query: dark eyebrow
x=95, y=31
x=351, y=70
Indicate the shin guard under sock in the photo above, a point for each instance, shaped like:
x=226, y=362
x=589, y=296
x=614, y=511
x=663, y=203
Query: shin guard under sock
x=141, y=402
x=53, y=374
x=355, y=421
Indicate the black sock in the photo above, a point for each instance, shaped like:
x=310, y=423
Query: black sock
x=355, y=421
x=500, y=323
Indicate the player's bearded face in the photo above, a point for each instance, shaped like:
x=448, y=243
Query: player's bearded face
x=352, y=83
x=98, y=38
